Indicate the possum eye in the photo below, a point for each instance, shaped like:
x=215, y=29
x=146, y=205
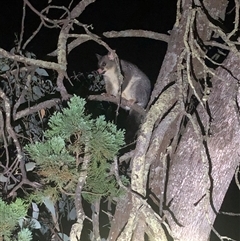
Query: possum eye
x=103, y=64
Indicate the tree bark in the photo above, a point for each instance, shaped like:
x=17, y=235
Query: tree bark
x=185, y=159
x=202, y=168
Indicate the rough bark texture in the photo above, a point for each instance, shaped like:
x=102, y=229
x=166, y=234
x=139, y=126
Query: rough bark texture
x=202, y=168
x=196, y=179
x=121, y=215
x=190, y=165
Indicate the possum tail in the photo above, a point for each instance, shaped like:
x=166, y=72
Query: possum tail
x=133, y=124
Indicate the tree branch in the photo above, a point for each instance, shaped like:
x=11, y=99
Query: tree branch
x=138, y=33
x=116, y=101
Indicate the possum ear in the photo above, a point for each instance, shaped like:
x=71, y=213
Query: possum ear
x=98, y=56
x=111, y=55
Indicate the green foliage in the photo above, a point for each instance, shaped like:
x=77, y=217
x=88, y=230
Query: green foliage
x=105, y=140
x=25, y=235
x=71, y=121
x=10, y=215
x=55, y=161
x=70, y=134
x=99, y=182
x=39, y=195
x=52, y=152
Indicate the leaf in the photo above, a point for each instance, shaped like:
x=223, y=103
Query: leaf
x=50, y=206
x=63, y=237
x=35, y=212
x=34, y=78
x=35, y=224
x=37, y=91
x=30, y=166
x=49, y=82
x=21, y=222
x=72, y=214
x=3, y=178
x=41, y=72
x=5, y=68
x=42, y=113
x=11, y=186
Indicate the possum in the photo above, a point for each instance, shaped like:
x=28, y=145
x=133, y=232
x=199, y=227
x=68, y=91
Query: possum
x=136, y=86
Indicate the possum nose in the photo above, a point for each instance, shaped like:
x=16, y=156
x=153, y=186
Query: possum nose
x=101, y=71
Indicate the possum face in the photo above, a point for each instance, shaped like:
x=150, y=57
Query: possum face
x=105, y=64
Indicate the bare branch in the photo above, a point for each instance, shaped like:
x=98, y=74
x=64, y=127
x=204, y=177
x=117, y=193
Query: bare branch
x=77, y=227
x=138, y=33
x=20, y=157
x=42, y=17
x=38, y=107
x=116, y=101
x=34, y=62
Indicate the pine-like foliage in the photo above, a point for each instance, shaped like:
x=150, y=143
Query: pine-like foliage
x=71, y=135
x=25, y=235
x=10, y=215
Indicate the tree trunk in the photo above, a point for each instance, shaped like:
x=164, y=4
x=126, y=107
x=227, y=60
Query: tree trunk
x=185, y=157
x=202, y=167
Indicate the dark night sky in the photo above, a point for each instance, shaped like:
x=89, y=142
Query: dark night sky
x=104, y=15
